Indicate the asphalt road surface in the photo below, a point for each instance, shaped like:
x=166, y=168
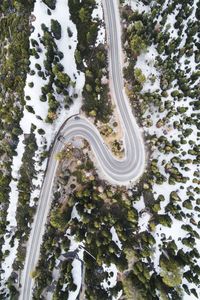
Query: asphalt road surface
x=123, y=171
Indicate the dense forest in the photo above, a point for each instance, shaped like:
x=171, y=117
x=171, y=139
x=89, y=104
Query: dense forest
x=158, y=260
x=14, y=61
x=95, y=58
x=152, y=263
x=133, y=243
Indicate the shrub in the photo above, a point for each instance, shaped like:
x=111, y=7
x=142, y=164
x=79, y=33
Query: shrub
x=137, y=44
x=50, y=3
x=56, y=29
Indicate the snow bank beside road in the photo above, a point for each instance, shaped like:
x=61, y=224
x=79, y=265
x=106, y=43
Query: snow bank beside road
x=98, y=14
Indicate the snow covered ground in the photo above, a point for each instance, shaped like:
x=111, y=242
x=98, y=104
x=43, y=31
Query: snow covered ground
x=98, y=14
x=112, y=281
x=146, y=62
x=137, y=5
x=77, y=266
x=67, y=45
x=115, y=238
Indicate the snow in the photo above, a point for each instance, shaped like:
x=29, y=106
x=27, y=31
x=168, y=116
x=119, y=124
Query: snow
x=143, y=221
x=175, y=232
x=67, y=46
x=77, y=266
x=191, y=18
x=137, y=5
x=98, y=11
x=164, y=6
x=98, y=14
x=145, y=62
x=115, y=238
x=75, y=214
x=119, y=295
x=61, y=13
x=112, y=271
x=143, y=215
x=169, y=24
x=77, y=276
x=191, y=296
x=56, y=271
x=139, y=205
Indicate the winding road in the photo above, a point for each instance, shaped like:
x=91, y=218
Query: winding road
x=120, y=172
